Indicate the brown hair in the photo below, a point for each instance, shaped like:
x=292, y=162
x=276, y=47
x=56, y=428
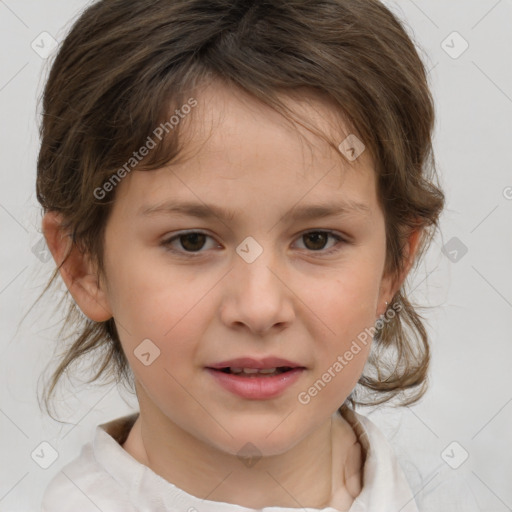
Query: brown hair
x=126, y=64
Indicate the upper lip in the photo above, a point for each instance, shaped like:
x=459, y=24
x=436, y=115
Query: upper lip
x=259, y=364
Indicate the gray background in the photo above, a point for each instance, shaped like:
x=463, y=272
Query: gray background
x=470, y=398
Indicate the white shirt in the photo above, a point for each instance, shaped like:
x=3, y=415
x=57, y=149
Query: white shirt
x=106, y=478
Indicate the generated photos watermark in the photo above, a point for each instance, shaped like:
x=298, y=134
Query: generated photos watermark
x=158, y=133
x=304, y=397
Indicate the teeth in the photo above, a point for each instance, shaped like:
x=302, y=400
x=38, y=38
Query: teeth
x=253, y=370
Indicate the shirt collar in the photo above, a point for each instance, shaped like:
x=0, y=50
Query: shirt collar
x=384, y=486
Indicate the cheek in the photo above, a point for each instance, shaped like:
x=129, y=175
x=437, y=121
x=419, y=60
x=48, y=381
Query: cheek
x=168, y=311
x=158, y=296
x=345, y=299
x=346, y=306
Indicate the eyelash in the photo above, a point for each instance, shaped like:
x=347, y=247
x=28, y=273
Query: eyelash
x=166, y=243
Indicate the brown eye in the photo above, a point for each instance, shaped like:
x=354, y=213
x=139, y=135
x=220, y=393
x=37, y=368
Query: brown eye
x=187, y=243
x=192, y=241
x=316, y=241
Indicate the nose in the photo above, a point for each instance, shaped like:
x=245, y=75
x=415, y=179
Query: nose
x=257, y=296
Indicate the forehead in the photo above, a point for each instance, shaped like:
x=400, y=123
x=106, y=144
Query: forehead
x=228, y=117
x=234, y=144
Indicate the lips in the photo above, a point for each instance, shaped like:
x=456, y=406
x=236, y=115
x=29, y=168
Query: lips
x=254, y=378
x=252, y=366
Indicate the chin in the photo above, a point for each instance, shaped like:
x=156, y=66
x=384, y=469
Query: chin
x=262, y=442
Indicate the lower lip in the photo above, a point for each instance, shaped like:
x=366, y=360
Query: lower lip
x=256, y=388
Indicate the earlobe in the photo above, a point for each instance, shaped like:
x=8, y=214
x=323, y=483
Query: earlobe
x=389, y=287
x=412, y=246
x=77, y=271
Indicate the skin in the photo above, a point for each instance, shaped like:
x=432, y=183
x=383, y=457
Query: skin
x=294, y=301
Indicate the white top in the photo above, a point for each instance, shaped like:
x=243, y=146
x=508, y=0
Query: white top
x=106, y=478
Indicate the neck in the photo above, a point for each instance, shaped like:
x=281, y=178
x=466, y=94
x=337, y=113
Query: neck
x=308, y=475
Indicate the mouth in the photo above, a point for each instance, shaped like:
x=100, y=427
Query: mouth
x=253, y=379
x=254, y=372
x=253, y=368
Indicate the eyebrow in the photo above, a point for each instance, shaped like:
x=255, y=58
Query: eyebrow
x=342, y=207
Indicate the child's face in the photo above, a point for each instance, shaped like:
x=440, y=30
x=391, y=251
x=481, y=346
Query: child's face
x=211, y=304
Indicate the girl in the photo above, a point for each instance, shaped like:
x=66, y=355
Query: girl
x=234, y=194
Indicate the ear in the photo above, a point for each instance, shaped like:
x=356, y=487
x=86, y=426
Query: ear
x=390, y=286
x=77, y=271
